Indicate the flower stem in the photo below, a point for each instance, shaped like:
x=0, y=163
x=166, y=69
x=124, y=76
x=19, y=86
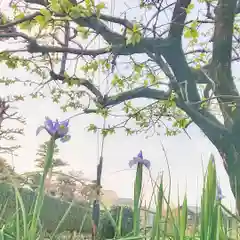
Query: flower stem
x=96, y=204
x=137, y=194
x=40, y=196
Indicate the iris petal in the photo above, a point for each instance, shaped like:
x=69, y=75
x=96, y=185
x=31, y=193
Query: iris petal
x=48, y=123
x=56, y=126
x=140, y=154
x=56, y=129
x=65, y=123
x=50, y=126
x=139, y=160
x=132, y=162
x=65, y=138
x=146, y=163
x=39, y=129
x=62, y=131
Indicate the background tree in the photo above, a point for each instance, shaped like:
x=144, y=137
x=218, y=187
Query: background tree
x=66, y=186
x=74, y=186
x=42, y=152
x=56, y=163
x=183, y=80
x=7, y=173
x=32, y=179
x=7, y=136
x=9, y=117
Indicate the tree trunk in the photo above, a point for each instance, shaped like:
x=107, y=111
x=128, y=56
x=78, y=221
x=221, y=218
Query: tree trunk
x=231, y=159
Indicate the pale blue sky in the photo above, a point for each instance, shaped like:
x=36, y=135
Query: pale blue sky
x=185, y=156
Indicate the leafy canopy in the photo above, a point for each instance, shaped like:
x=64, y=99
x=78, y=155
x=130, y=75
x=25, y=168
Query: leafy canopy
x=140, y=58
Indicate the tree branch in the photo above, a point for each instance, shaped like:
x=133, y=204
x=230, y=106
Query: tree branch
x=121, y=21
x=211, y=127
x=18, y=34
x=80, y=82
x=3, y=110
x=66, y=43
x=34, y=48
x=39, y=2
x=222, y=58
x=178, y=19
x=141, y=92
x=19, y=21
x=205, y=120
x=174, y=56
x=94, y=23
x=223, y=32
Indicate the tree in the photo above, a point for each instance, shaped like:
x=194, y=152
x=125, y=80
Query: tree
x=7, y=173
x=56, y=162
x=66, y=186
x=183, y=66
x=42, y=152
x=71, y=185
x=32, y=179
x=7, y=135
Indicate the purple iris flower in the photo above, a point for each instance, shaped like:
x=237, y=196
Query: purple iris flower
x=56, y=129
x=219, y=195
x=139, y=160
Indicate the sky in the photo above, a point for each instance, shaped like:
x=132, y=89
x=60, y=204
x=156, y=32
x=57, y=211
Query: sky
x=186, y=157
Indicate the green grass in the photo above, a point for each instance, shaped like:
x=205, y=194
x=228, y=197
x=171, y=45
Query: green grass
x=25, y=223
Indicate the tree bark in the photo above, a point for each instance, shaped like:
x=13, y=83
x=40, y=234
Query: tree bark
x=231, y=161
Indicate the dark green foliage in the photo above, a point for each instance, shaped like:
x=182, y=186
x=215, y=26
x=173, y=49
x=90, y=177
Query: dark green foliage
x=52, y=211
x=123, y=217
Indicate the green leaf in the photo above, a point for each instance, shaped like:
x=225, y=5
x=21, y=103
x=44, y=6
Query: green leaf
x=91, y=66
x=89, y=4
x=134, y=35
x=3, y=19
x=19, y=98
x=233, y=107
x=92, y=128
x=75, y=12
x=24, y=25
x=138, y=68
x=99, y=7
x=66, y=5
x=40, y=20
x=194, y=33
x=19, y=16
x=189, y=8
x=152, y=78
x=187, y=34
x=129, y=131
x=104, y=112
x=108, y=131
x=191, y=33
x=46, y=13
x=145, y=83
x=55, y=6
x=84, y=32
x=183, y=219
x=72, y=82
